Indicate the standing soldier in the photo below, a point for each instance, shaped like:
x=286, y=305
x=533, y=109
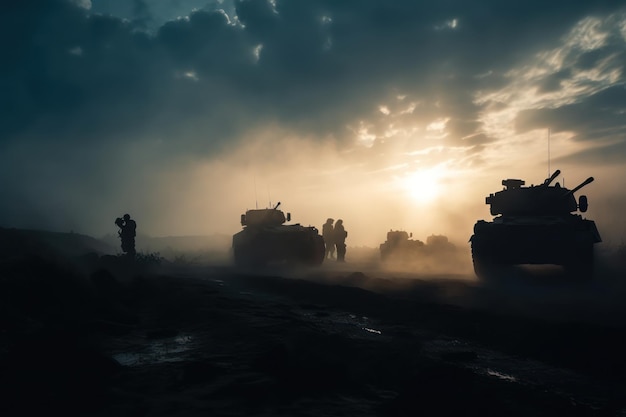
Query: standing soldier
x=340, y=240
x=329, y=238
x=127, y=233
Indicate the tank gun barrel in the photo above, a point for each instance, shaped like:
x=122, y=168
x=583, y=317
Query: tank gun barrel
x=552, y=177
x=276, y=206
x=579, y=186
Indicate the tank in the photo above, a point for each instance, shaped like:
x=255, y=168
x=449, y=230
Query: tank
x=399, y=246
x=439, y=245
x=265, y=239
x=536, y=225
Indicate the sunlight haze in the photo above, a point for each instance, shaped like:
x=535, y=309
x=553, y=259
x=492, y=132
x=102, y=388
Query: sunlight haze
x=396, y=115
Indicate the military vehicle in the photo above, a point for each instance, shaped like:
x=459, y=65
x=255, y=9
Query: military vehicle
x=439, y=245
x=535, y=225
x=265, y=239
x=398, y=245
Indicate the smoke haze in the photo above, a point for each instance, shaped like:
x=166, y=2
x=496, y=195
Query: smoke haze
x=389, y=116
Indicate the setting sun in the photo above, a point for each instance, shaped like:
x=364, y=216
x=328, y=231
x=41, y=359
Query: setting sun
x=424, y=186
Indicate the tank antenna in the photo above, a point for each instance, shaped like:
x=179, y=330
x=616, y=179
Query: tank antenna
x=549, y=152
x=269, y=197
x=256, y=200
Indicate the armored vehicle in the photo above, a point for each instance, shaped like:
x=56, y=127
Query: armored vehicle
x=439, y=245
x=398, y=245
x=265, y=239
x=535, y=225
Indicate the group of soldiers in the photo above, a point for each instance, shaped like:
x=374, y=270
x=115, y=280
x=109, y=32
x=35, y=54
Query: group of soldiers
x=335, y=238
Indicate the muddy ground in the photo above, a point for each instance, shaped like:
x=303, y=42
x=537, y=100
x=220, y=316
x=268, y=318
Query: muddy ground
x=97, y=336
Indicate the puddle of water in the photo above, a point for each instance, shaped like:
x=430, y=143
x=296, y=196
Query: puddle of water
x=342, y=321
x=501, y=375
x=159, y=351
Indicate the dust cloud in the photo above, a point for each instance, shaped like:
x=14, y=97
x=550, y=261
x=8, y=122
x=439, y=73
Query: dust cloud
x=316, y=178
x=179, y=194
x=543, y=292
x=313, y=179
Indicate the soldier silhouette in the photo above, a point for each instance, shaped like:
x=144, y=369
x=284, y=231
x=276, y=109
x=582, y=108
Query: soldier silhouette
x=127, y=233
x=329, y=238
x=340, y=235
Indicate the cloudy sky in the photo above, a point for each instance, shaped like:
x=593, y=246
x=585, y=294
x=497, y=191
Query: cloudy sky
x=398, y=114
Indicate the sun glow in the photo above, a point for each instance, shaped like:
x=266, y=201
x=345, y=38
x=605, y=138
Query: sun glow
x=424, y=186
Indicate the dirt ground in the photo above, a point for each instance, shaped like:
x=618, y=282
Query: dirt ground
x=98, y=336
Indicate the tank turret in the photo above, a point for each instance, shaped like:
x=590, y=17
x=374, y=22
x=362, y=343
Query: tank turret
x=264, y=217
x=540, y=200
x=535, y=225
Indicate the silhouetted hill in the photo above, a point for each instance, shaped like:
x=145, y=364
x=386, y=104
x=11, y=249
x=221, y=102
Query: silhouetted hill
x=18, y=243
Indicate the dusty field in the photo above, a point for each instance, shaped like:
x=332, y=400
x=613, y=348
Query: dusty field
x=99, y=337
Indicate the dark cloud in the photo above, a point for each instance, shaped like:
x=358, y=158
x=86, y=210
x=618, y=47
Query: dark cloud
x=598, y=118
x=142, y=17
x=611, y=154
x=553, y=82
x=321, y=65
x=88, y=85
